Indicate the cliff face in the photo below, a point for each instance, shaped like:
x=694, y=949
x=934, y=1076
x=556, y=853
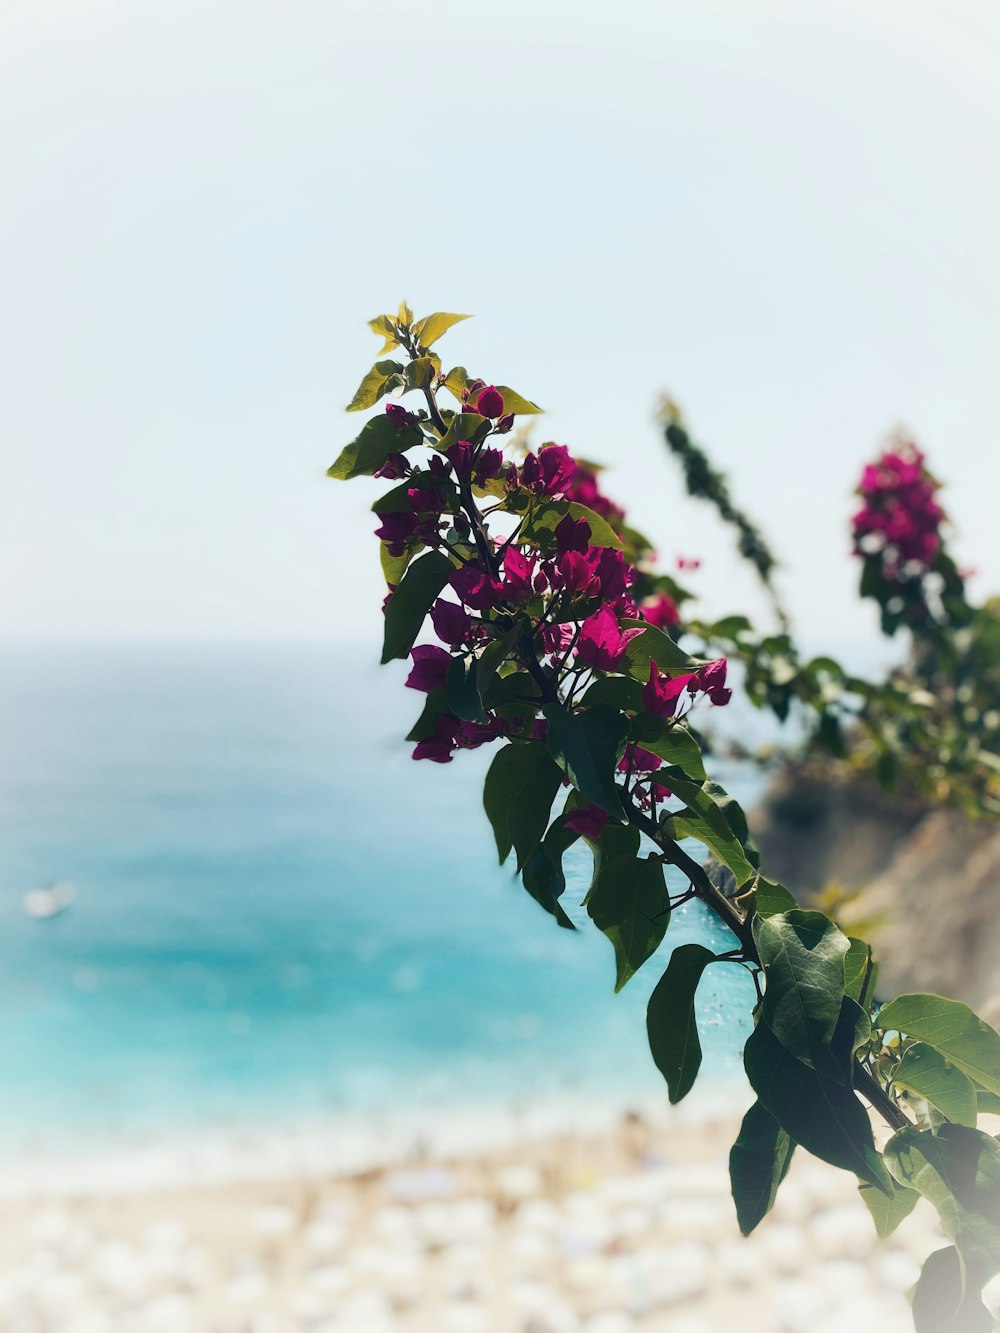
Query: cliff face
x=930, y=879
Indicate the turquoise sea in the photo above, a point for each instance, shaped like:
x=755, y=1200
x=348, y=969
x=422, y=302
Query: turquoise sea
x=278, y=914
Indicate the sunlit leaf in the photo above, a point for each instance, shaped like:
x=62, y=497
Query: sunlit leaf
x=925, y=1071
x=365, y=455
x=951, y=1028
x=888, y=1210
x=431, y=327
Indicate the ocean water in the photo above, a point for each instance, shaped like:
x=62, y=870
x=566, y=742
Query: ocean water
x=279, y=915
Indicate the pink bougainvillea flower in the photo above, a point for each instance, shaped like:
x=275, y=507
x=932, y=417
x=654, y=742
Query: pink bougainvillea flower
x=439, y=747
x=602, y=641
x=451, y=623
x=488, y=465
x=611, y=571
x=660, y=693
x=518, y=572
x=637, y=760
x=688, y=562
x=557, y=638
x=589, y=823
x=460, y=456
x=557, y=468
x=572, y=534
x=659, y=792
x=399, y=416
x=574, y=573
x=396, y=529
x=475, y=589
x=430, y=668
x=712, y=676
x=394, y=467
x=660, y=610
x=490, y=402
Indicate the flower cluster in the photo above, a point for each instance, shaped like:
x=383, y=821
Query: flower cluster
x=568, y=598
x=899, y=519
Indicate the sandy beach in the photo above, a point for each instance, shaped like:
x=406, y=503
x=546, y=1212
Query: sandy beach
x=629, y=1228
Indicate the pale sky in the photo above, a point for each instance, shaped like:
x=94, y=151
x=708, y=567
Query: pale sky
x=786, y=214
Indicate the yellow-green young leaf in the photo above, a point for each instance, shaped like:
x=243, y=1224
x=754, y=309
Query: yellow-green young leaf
x=629, y=903
x=860, y=971
x=653, y=645
x=888, y=1210
x=674, y=743
x=670, y=1019
x=378, y=439
x=456, y=380
x=926, y=1072
x=513, y=402
x=545, y=516
x=758, y=1163
x=463, y=426
x=404, y=314
x=394, y=566
x=951, y=1028
x=418, y=374
x=429, y=329
x=383, y=377
x=384, y=326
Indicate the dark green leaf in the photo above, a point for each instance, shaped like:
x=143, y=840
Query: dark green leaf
x=671, y=1024
x=365, y=455
x=409, y=604
x=587, y=746
x=951, y=1028
x=435, y=706
x=463, y=691
x=654, y=644
x=520, y=787
x=942, y=1303
x=924, y=1071
x=825, y=1117
x=758, y=1163
x=888, y=1210
x=615, y=691
x=671, y=742
x=492, y=658
x=383, y=377
x=860, y=971
x=958, y=1170
x=803, y=958
x=629, y=904
x=543, y=875
x=429, y=329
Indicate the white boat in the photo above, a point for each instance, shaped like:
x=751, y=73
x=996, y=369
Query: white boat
x=43, y=903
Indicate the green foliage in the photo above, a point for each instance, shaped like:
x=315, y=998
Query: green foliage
x=671, y=1024
x=925, y=1072
x=428, y=330
x=384, y=377
x=408, y=606
x=953, y=1030
x=587, y=746
x=888, y=1210
x=758, y=1163
x=543, y=875
x=942, y=1303
x=518, y=794
x=629, y=904
x=378, y=439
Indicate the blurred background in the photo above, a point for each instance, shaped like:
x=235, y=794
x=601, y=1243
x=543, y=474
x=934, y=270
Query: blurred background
x=283, y=1048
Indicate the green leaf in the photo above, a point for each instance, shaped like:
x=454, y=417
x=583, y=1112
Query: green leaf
x=958, y=1170
x=397, y=499
x=674, y=743
x=386, y=329
x=825, y=1117
x=435, y=706
x=671, y=1024
x=469, y=426
x=803, y=958
x=462, y=685
x=615, y=691
x=543, y=875
x=493, y=657
x=706, y=820
x=925, y=1071
x=456, y=380
x=758, y=1163
x=951, y=1028
x=616, y=840
x=629, y=903
x=513, y=402
x=429, y=329
x=587, y=746
x=888, y=1210
x=860, y=971
x=409, y=604
x=942, y=1303
x=383, y=377
x=365, y=455
x=404, y=314
x=771, y=898
x=653, y=644
x=544, y=517
x=520, y=788
x=394, y=566
x=420, y=372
